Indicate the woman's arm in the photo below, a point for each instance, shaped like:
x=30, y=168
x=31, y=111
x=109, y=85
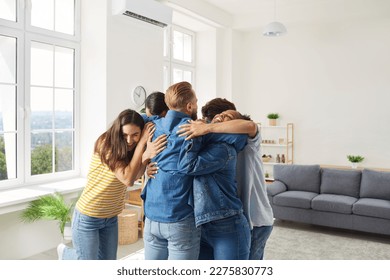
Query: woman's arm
x=152, y=149
x=238, y=126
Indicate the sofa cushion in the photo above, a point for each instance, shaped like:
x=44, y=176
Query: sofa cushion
x=372, y=207
x=297, y=199
x=299, y=177
x=344, y=182
x=275, y=188
x=333, y=203
x=375, y=184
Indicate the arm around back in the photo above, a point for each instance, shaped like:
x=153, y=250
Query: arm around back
x=196, y=159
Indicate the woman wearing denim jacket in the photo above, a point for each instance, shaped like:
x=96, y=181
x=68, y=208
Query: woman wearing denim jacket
x=218, y=209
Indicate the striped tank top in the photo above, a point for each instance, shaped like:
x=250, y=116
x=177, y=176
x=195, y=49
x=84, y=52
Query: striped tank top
x=104, y=194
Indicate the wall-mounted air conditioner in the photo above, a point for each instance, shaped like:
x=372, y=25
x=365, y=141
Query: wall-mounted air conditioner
x=146, y=10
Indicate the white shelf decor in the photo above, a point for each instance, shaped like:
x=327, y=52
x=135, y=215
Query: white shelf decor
x=277, y=143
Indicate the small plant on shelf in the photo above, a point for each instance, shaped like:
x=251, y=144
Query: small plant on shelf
x=355, y=160
x=272, y=118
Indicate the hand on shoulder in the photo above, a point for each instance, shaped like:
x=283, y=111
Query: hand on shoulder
x=193, y=129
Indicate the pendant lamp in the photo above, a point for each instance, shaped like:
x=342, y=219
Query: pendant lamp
x=274, y=28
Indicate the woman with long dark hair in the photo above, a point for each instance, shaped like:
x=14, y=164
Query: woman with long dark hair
x=119, y=159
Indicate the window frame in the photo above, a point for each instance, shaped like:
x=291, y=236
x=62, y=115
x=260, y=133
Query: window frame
x=27, y=137
x=51, y=33
x=171, y=63
x=19, y=110
x=19, y=23
x=188, y=32
x=25, y=34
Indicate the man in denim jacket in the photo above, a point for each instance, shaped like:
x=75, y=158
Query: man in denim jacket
x=250, y=175
x=170, y=231
x=218, y=209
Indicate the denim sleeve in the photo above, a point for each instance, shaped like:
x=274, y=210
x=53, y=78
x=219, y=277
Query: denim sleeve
x=195, y=160
x=238, y=141
x=145, y=117
x=149, y=119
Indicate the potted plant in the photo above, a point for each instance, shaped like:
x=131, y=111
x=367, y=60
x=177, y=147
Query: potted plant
x=355, y=160
x=51, y=207
x=272, y=118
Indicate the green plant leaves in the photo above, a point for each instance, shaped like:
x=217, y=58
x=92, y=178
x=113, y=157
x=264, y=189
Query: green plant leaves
x=273, y=116
x=50, y=207
x=352, y=158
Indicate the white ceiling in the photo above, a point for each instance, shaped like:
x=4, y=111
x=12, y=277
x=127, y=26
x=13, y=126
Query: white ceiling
x=249, y=14
x=242, y=7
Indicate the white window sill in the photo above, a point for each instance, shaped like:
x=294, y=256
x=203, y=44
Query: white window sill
x=18, y=199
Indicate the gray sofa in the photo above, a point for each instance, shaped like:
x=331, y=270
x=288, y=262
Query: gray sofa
x=348, y=199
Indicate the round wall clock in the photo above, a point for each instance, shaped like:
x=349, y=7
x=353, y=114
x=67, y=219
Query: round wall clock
x=139, y=96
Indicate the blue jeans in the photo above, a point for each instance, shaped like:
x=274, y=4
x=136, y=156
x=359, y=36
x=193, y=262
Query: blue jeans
x=226, y=239
x=173, y=241
x=259, y=239
x=93, y=238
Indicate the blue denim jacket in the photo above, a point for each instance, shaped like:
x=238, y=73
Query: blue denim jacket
x=213, y=163
x=169, y=196
x=149, y=119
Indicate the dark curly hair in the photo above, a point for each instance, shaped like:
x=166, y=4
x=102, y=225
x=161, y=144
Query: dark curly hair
x=216, y=106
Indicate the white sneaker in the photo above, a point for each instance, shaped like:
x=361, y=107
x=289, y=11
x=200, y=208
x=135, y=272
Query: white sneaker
x=60, y=250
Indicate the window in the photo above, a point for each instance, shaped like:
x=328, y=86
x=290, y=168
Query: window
x=8, y=10
x=8, y=90
x=51, y=105
x=54, y=15
x=179, y=56
x=39, y=66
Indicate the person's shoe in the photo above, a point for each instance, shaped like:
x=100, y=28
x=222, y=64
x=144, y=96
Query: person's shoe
x=60, y=250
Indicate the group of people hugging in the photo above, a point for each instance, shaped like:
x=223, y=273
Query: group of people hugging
x=205, y=196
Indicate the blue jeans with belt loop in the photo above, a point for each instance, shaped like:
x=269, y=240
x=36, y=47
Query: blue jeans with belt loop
x=171, y=241
x=226, y=239
x=93, y=238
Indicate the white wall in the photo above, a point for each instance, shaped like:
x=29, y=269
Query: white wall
x=118, y=54
x=238, y=70
x=206, y=67
x=225, y=69
x=134, y=57
x=19, y=240
x=93, y=100
x=331, y=81
x=22, y=240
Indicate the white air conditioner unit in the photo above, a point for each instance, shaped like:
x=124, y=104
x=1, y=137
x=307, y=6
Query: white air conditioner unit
x=146, y=10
